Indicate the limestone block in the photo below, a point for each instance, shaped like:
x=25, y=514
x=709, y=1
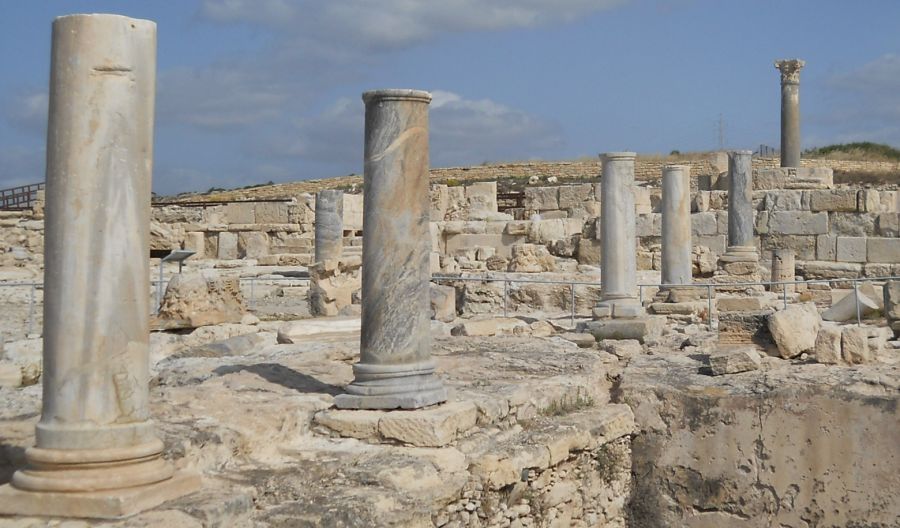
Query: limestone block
x=240, y=213
x=253, y=244
x=163, y=236
x=354, y=423
x=196, y=242
x=541, y=198
x=482, y=196
x=829, y=270
x=870, y=201
x=716, y=243
x=852, y=224
x=795, y=329
x=704, y=224
x=851, y=249
x=888, y=225
x=890, y=201
x=740, y=304
x=10, y=375
x=546, y=231
x=855, y=345
x=201, y=301
x=332, y=286
x=892, y=300
x=431, y=427
x=828, y=345
x=798, y=223
x=743, y=359
x=718, y=200
x=353, y=211
x=845, y=309
x=842, y=200
x=826, y=247
x=648, y=225
x=227, y=246
x=583, y=340
x=440, y=201
x=272, y=213
x=443, y=302
x=883, y=250
x=642, y=201
x=531, y=258
x=783, y=200
x=589, y=251
x=575, y=195
x=639, y=328
x=491, y=327
x=551, y=215
x=517, y=227
x=700, y=202
x=803, y=246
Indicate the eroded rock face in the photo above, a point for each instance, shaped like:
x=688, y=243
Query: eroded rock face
x=788, y=445
x=202, y=301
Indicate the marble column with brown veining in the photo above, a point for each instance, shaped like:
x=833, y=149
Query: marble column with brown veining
x=790, y=110
x=97, y=453
x=676, y=225
x=395, y=368
x=741, y=244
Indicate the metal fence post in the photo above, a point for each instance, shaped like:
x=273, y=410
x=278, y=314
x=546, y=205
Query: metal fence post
x=573, y=305
x=709, y=305
x=784, y=294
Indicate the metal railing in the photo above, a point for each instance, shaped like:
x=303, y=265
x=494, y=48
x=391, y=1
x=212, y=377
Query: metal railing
x=709, y=286
x=19, y=198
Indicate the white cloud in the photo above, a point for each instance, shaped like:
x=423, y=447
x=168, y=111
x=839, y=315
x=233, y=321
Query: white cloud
x=463, y=131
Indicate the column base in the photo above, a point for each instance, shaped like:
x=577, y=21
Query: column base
x=107, y=504
x=392, y=387
x=618, y=308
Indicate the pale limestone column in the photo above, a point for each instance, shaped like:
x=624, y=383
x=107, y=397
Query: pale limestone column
x=790, y=110
x=97, y=454
x=395, y=367
x=618, y=287
x=676, y=225
x=329, y=224
x=741, y=245
x=783, y=269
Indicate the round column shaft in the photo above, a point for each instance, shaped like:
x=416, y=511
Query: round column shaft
x=395, y=368
x=618, y=258
x=790, y=111
x=741, y=245
x=95, y=431
x=783, y=269
x=676, y=225
x=329, y=224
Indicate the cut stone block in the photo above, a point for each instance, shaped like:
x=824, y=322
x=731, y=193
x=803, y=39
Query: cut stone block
x=734, y=361
x=794, y=329
x=10, y=375
x=828, y=345
x=826, y=247
x=885, y=250
x=798, y=223
x=641, y=328
x=491, y=327
x=581, y=339
x=845, y=309
x=844, y=200
x=851, y=249
x=431, y=427
x=855, y=345
x=360, y=424
x=740, y=304
x=113, y=504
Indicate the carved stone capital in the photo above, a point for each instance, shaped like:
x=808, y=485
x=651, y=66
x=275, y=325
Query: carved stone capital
x=790, y=70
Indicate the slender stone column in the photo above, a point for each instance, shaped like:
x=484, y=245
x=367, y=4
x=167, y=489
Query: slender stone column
x=676, y=225
x=618, y=288
x=790, y=111
x=783, y=269
x=741, y=246
x=95, y=433
x=395, y=367
x=329, y=224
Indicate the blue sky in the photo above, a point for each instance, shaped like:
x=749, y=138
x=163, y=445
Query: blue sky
x=255, y=90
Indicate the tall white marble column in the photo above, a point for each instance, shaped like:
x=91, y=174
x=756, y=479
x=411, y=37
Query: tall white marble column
x=329, y=224
x=790, y=110
x=96, y=452
x=618, y=287
x=395, y=368
x=741, y=244
x=676, y=225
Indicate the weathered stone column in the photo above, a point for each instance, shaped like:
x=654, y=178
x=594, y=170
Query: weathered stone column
x=618, y=287
x=95, y=433
x=783, y=269
x=329, y=224
x=395, y=367
x=790, y=111
x=741, y=245
x=676, y=225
